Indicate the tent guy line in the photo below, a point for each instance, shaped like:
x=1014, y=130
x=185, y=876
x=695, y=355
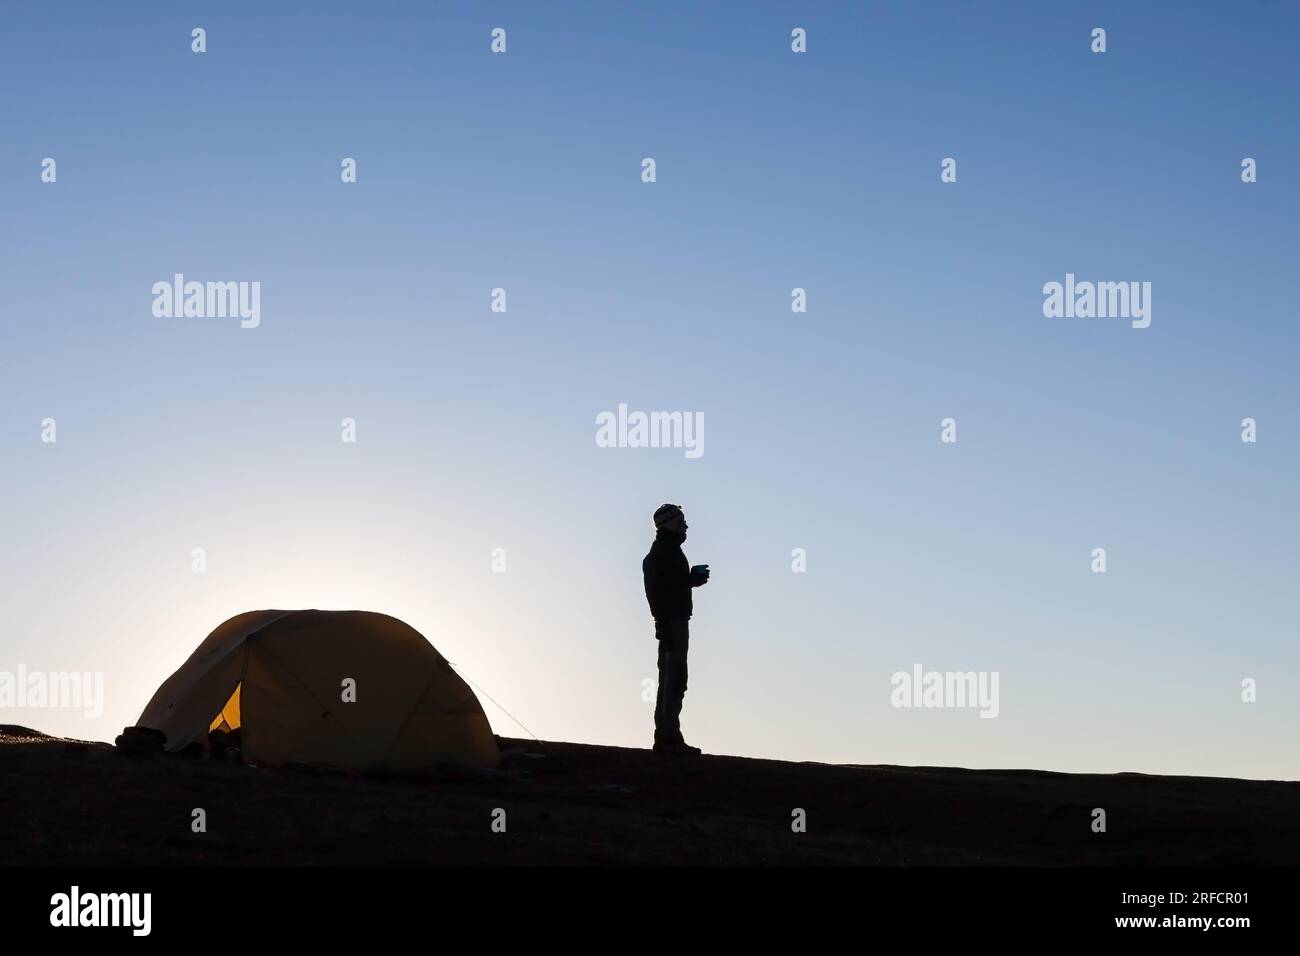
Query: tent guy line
x=473, y=683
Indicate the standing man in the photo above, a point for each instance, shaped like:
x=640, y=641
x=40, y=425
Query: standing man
x=668, y=582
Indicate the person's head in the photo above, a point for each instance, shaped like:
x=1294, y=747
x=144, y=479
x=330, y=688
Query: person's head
x=670, y=518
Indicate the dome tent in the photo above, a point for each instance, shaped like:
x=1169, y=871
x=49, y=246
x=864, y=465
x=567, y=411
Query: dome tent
x=279, y=677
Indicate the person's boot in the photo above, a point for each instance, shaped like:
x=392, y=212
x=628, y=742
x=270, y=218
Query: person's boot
x=678, y=748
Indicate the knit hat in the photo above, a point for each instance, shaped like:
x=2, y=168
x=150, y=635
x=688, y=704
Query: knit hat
x=666, y=514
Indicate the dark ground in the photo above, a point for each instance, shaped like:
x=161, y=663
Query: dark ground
x=69, y=803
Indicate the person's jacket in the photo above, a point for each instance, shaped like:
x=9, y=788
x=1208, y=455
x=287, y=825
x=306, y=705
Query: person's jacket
x=667, y=577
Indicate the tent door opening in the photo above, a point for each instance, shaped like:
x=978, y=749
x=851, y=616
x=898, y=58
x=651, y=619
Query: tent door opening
x=224, y=732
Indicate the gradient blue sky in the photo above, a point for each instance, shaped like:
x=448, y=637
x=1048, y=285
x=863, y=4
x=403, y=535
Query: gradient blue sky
x=476, y=430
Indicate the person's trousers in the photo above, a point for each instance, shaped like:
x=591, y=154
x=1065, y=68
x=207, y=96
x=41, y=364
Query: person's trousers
x=674, y=641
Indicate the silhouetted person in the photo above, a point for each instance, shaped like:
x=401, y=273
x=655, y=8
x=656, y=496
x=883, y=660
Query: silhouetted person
x=668, y=582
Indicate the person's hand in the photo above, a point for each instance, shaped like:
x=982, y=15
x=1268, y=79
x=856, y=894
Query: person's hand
x=700, y=575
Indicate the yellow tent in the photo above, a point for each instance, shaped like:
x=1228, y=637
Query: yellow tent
x=339, y=688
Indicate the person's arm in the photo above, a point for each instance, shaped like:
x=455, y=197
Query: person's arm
x=653, y=594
